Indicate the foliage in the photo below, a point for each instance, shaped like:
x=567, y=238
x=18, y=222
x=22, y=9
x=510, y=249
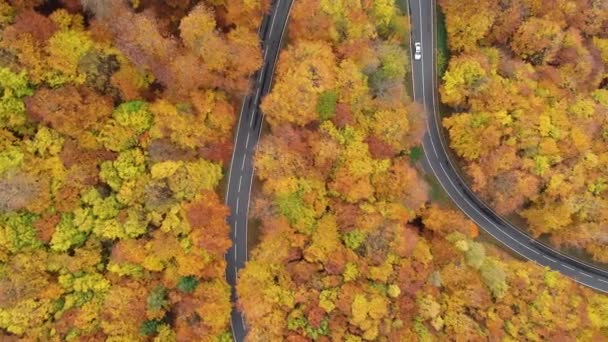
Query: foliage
x=14, y=88
x=350, y=249
x=326, y=105
x=187, y=284
x=113, y=134
x=18, y=232
x=149, y=327
x=65, y=49
x=134, y=114
x=526, y=85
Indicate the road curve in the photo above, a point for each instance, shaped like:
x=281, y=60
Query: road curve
x=439, y=162
x=240, y=176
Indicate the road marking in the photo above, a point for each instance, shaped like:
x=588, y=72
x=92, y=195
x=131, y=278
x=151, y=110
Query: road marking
x=243, y=163
x=261, y=22
x=585, y=274
x=274, y=16
x=236, y=228
x=411, y=59
x=522, y=244
x=237, y=205
x=257, y=96
x=240, y=182
x=236, y=139
x=602, y=280
x=240, y=316
x=437, y=124
x=589, y=285
x=262, y=70
x=568, y=267
x=247, y=141
x=235, y=249
x=424, y=85
x=247, y=215
x=276, y=57
x=549, y=258
x=528, y=248
x=252, y=116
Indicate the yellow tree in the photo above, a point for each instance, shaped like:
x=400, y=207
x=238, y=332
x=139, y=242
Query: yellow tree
x=467, y=23
x=305, y=71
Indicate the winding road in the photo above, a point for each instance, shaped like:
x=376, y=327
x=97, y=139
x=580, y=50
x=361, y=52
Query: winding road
x=249, y=128
x=440, y=163
x=437, y=159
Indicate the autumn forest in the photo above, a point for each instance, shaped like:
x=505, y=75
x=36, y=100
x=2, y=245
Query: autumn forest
x=117, y=122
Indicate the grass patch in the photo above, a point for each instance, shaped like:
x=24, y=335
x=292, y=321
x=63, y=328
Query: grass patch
x=443, y=53
x=415, y=154
x=436, y=192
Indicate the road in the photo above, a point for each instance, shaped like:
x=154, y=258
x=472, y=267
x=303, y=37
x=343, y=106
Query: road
x=240, y=176
x=439, y=162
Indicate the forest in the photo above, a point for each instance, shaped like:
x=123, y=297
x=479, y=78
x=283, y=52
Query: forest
x=352, y=247
x=116, y=125
x=528, y=85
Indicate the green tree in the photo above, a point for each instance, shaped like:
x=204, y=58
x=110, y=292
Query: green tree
x=326, y=105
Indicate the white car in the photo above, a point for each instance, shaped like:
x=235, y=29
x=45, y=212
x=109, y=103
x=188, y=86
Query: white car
x=418, y=51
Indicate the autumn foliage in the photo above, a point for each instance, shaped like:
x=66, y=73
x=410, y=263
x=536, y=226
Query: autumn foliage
x=527, y=81
x=351, y=249
x=116, y=121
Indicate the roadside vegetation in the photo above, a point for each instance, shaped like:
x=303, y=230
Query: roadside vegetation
x=529, y=86
x=115, y=124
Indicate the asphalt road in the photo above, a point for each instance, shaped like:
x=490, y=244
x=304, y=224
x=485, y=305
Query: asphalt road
x=240, y=177
x=439, y=162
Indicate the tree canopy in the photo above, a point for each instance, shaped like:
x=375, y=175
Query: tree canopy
x=527, y=90
x=116, y=123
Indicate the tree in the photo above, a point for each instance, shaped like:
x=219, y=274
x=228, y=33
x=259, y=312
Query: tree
x=312, y=67
x=401, y=184
x=207, y=218
x=65, y=49
x=468, y=24
x=124, y=310
x=208, y=118
x=326, y=105
x=325, y=241
x=308, y=21
x=246, y=13
x=18, y=232
x=537, y=40
x=197, y=31
x=465, y=77
x=138, y=38
x=14, y=88
x=69, y=110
